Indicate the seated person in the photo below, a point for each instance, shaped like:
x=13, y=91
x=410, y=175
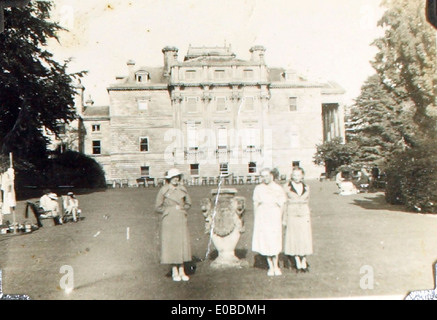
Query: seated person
x=339, y=178
x=71, y=205
x=346, y=186
x=49, y=204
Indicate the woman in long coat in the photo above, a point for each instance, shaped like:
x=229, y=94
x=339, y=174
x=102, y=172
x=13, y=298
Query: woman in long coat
x=297, y=221
x=173, y=202
x=268, y=201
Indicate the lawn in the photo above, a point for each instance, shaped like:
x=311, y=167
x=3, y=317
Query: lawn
x=114, y=251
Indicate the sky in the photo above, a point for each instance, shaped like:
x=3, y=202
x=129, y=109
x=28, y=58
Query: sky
x=320, y=39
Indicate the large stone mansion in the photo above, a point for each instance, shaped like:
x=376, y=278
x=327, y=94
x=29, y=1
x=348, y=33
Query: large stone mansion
x=207, y=115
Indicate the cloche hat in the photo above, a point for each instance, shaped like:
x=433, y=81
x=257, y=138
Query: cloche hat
x=173, y=173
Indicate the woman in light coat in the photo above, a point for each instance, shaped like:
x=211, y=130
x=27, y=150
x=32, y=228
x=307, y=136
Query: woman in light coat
x=173, y=202
x=297, y=221
x=268, y=201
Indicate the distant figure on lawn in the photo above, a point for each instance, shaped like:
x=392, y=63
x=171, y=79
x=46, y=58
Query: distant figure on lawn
x=50, y=207
x=297, y=221
x=71, y=205
x=268, y=202
x=173, y=202
x=345, y=184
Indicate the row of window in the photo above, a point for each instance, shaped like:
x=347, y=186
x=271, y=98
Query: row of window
x=224, y=168
x=191, y=103
x=97, y=145
x=219, y=74
x=192, y=142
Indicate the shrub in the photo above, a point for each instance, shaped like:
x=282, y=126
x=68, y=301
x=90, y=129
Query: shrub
x=412, y=178
x=75, y=169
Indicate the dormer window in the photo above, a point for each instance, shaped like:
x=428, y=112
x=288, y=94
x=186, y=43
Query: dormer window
x=142, y=76
x=190, y=75
x=219, y=74
x=248, y=74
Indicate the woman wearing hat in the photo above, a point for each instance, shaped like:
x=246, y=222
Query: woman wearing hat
x=49, y=203
x=173, y=202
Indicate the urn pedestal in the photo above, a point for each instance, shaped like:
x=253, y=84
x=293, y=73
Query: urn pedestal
x=224, y=222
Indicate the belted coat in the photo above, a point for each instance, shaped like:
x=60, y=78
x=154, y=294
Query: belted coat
x=173, y=203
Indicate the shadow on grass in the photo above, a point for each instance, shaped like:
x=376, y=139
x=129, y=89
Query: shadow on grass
x=378, y=202
x=189, y=266
x=286, y=262
x=30, y=193
x=239, y=253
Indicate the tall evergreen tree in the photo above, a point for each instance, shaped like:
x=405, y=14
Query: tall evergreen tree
x=397, y=105
x=35, y=90
x=380, y=124
x=406, y=60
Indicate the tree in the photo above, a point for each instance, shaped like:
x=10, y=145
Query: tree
x=36, y=92
x=380, y=125
x=396, y=110
x=406, y=60
x=334, y=154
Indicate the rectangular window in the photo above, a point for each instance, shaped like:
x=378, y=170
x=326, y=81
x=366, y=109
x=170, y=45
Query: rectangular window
x=190, y=75
x=97, y=147
x=192, y=137
x=95, y=128
x=194, y=169
x=191, y=105
x=143, y=105
x=294, y=139
x=252, y=137
x=219, y=74
x=144, y=144
x=221, y=104
x=292, y=104
x=145, y=171
x=222, y=138
x=248, y=74
x=249, y=104
x=252, y=167
x=224, y=168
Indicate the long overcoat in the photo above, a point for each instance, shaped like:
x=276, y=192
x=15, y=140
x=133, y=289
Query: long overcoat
x=173, y=203
x=297, y=220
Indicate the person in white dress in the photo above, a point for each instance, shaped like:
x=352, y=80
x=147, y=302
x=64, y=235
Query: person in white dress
x=268, y=202
x=71, y=206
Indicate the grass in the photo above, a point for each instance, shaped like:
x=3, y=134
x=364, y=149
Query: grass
x=349, y=233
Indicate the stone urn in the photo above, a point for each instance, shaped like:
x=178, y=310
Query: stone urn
x=224, y=222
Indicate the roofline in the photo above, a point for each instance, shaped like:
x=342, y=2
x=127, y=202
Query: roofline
x=136, y=88
x=95, y=118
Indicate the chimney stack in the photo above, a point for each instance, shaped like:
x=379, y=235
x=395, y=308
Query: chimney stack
x=130, y=66
x=258, y=54
x=78, y=97
x=89, y=102
x=170, y=59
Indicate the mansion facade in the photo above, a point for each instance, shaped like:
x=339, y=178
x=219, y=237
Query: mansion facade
x=207, y=115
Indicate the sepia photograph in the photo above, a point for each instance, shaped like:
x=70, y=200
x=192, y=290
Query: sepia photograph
x=235, y=150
